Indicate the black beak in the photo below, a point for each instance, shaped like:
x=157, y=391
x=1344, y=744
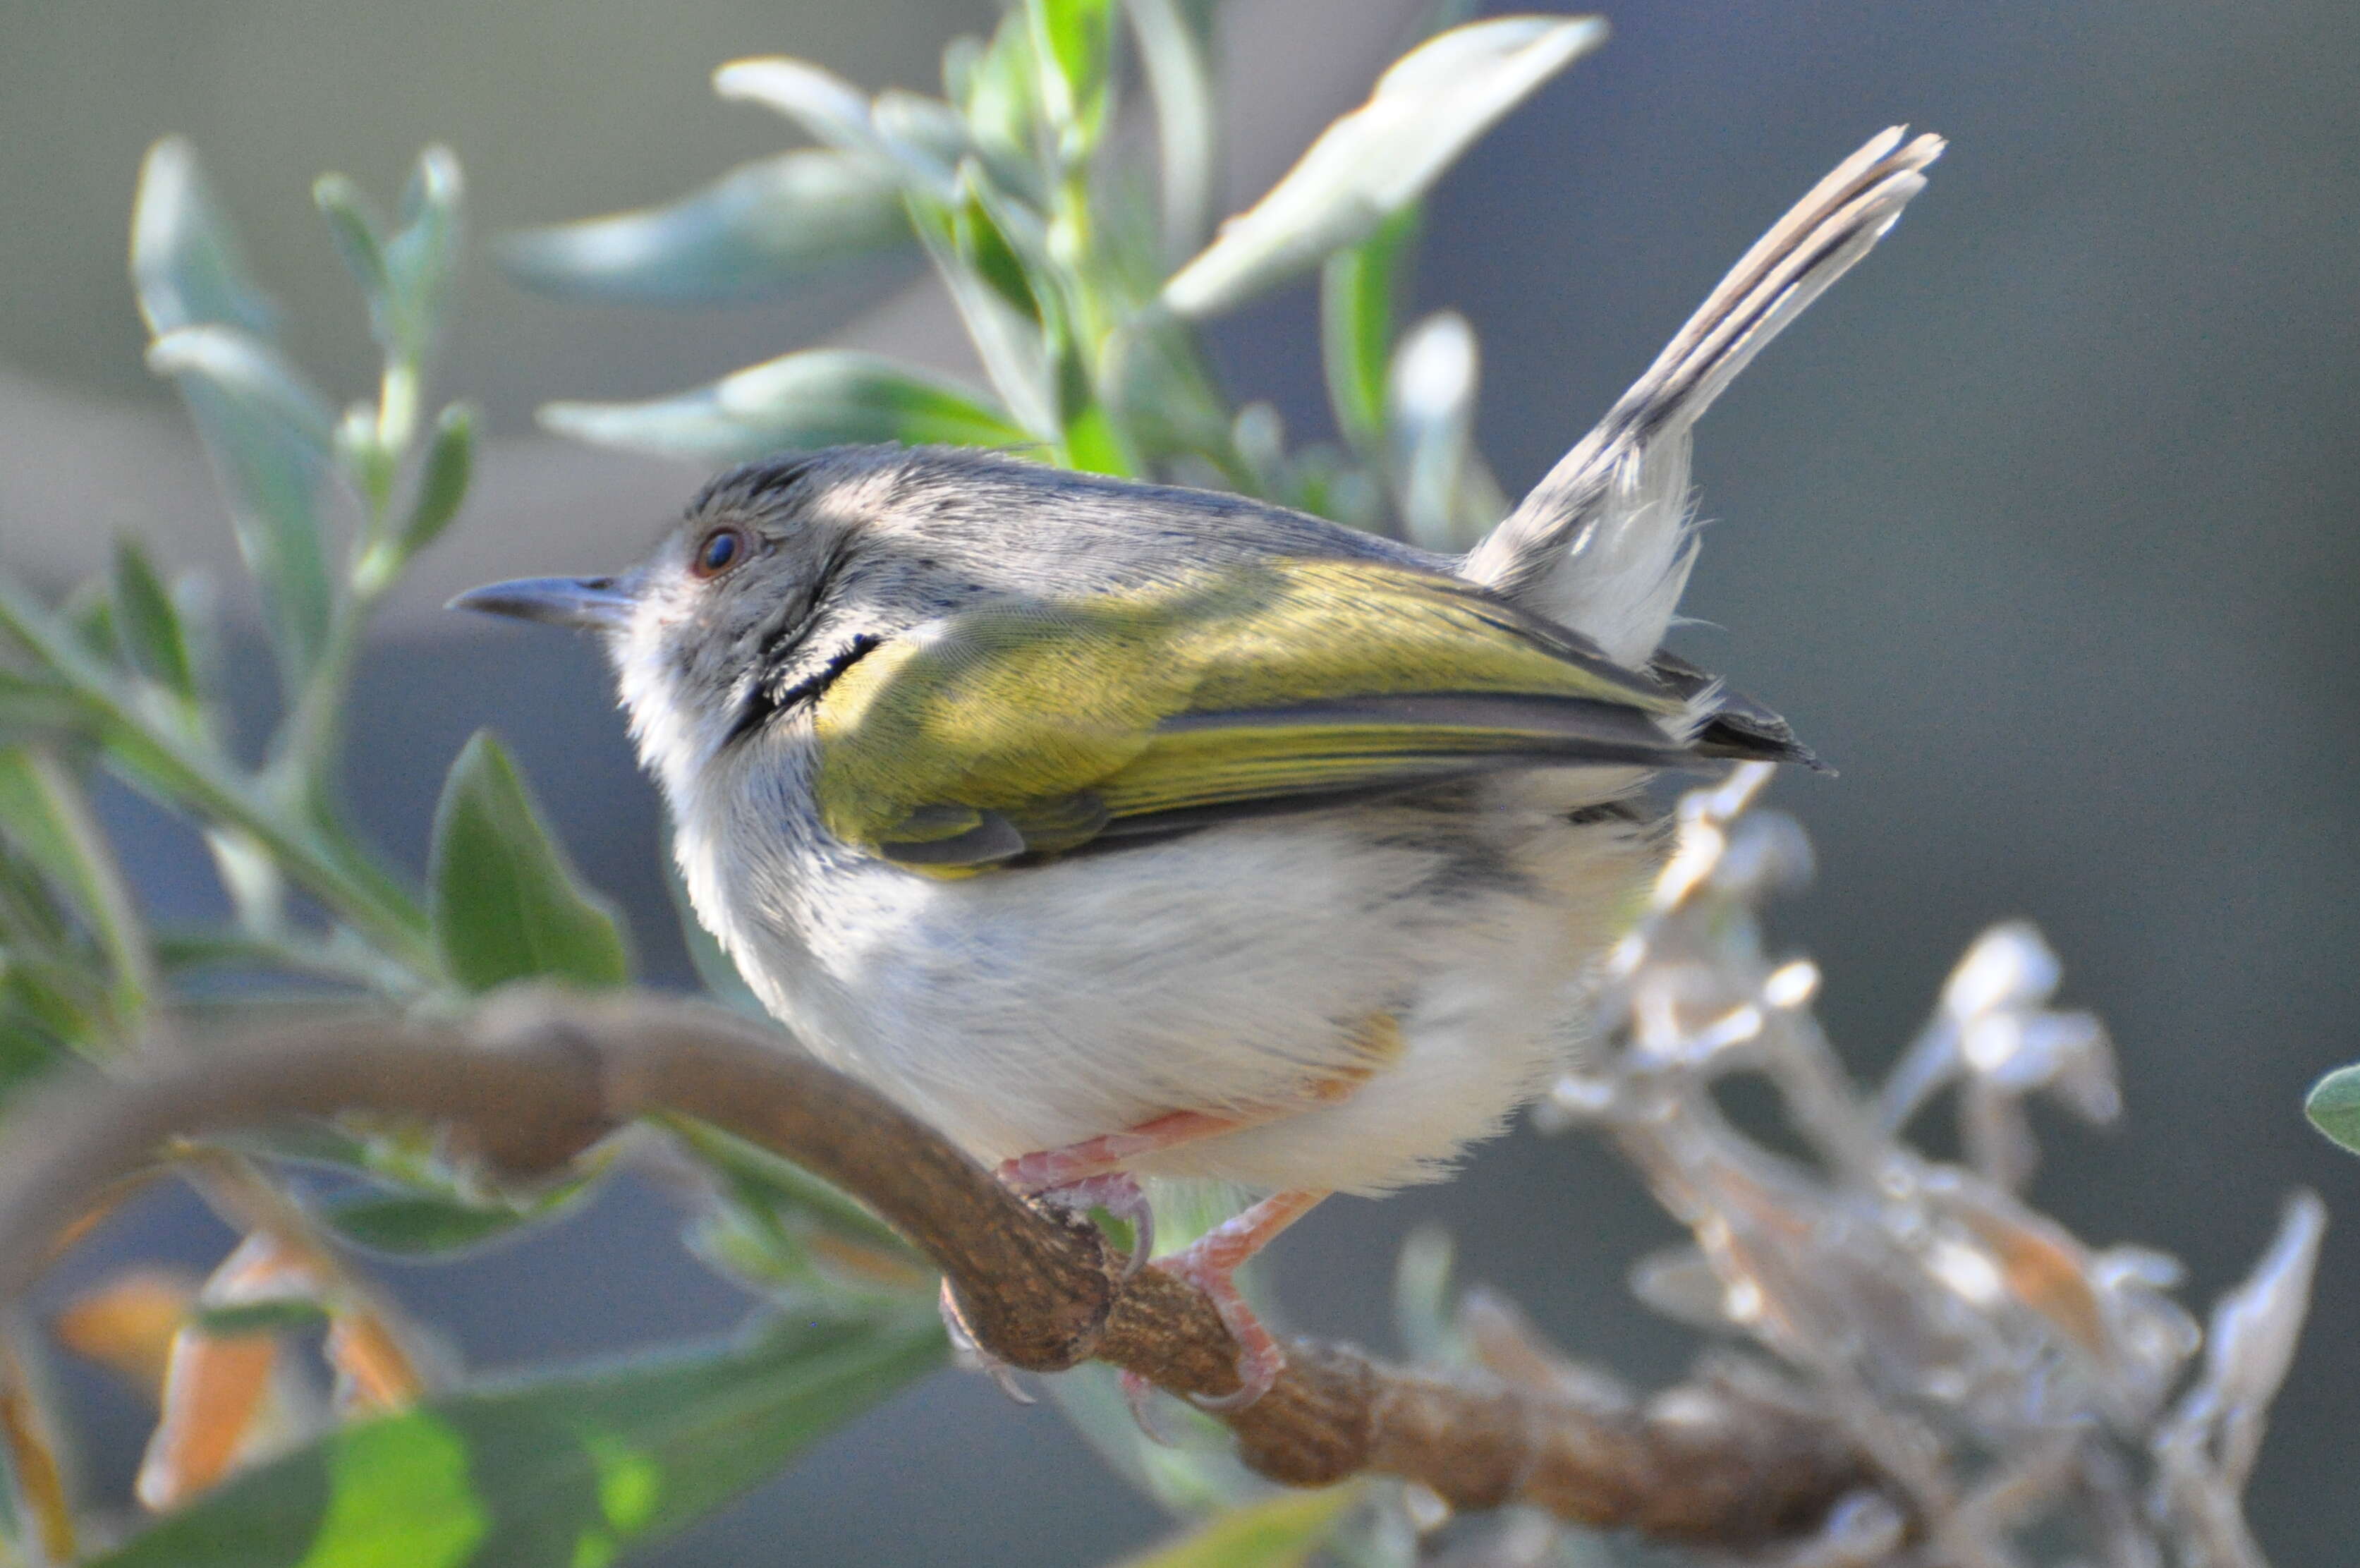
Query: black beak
x=591, y=604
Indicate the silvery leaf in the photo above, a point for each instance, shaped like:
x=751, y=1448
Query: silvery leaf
x=186, y=265
x=758, y=232
x=268, y=436
x=1174, y=53
x=830, y=108
x=817, y=398
x=1425, y=110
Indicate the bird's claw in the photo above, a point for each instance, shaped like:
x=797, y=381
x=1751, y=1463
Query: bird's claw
x=968, y=1352
x=1260, y=1359
x=1137, y=1393
x=1112, y=1190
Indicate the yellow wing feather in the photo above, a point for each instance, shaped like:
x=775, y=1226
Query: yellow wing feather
x=1059, y=717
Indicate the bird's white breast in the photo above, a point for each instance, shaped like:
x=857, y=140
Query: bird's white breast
x=1235, y=969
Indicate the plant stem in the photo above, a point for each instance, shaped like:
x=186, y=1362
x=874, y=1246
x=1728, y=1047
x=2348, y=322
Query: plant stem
x=176, y=766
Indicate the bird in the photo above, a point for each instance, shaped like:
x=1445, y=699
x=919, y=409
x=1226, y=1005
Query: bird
x=1122, y=830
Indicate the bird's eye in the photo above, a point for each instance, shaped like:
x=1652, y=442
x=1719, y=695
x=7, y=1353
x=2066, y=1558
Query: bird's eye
x=718, y=551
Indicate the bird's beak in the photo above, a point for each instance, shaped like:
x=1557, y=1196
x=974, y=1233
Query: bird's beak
x=593, y=604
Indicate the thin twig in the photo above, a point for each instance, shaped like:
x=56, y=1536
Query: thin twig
x=540, y=1079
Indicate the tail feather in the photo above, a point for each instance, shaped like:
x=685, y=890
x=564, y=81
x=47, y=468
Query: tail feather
x=1603, y=542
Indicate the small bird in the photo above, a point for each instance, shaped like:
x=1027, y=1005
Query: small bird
x=1121, y=831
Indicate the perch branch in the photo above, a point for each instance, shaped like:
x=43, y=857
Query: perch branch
x=538, y=1080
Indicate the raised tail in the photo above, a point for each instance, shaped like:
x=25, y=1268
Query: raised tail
x=1602, y=544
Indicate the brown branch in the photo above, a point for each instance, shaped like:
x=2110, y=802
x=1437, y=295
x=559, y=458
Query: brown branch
x=540, y=1079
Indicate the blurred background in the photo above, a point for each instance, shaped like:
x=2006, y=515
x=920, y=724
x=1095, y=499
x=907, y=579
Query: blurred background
x=2040, y=528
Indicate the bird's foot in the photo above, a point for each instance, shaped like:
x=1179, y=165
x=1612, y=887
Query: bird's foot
x=1139, y=1394
x=1112, y=1190
x=1211, y=1264
x=1260, y=1360
x=968, y=1352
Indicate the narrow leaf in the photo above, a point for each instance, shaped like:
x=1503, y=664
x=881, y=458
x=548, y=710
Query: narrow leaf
x=421, y=256
x=355, y=230
x=269, y=436
x=760, y=231
x=2334, y=1106
x=508, y=904
x=1176, y=52
x=186, y=265
x=818, y=398
x=1359, y=292
x=829, y=108
x=424, y=1224
x=551, y=1472
x=35, y=707
x=150, y=624
x=926, y=137
x=1074, y=42
x=268, y=1315
x=49, y=820
x=450, y=464
x=1426, y=110
x=999, y=94
x=1007, y=338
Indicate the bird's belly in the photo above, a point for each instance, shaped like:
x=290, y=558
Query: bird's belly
x=1240, y=970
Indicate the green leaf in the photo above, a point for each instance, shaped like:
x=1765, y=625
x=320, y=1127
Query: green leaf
x=230, y=1320
x=783, y=1187
x=1074, y=43
x=561, y=1471
x=268, y=436
x=47, y=817
x=508, y=904
x=998, y=93
x=759, y=232
x=1359, y=292
x=1426, y=110
x=2334, y=1106
x=40, y=808
x=450, y=467
x=150, y=624
x=1008, y=338
x=31, y=706
x=821, y=396
x=186, y=265
x=1176, y=50
x=429, y=1224
x=28, y=1053
x=356, y=232
x=421, y=256
x=1281, y=1532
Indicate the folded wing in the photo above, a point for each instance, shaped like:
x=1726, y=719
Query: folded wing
x=1036, y=728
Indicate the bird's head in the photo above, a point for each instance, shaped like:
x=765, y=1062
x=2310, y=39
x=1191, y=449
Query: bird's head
x=778, y=576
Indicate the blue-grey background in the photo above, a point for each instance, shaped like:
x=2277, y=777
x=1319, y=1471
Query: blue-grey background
x=2040, y=526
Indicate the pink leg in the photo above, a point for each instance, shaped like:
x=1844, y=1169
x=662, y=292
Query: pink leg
x=1052, y=1168
x=1085, y=1176
x=1211, y=1264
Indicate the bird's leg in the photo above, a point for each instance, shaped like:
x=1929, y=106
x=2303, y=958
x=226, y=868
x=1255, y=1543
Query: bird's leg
x=1087, y=1175
x=1211, y=1264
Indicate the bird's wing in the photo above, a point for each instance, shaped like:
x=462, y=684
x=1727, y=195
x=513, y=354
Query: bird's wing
x=1035, y=728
